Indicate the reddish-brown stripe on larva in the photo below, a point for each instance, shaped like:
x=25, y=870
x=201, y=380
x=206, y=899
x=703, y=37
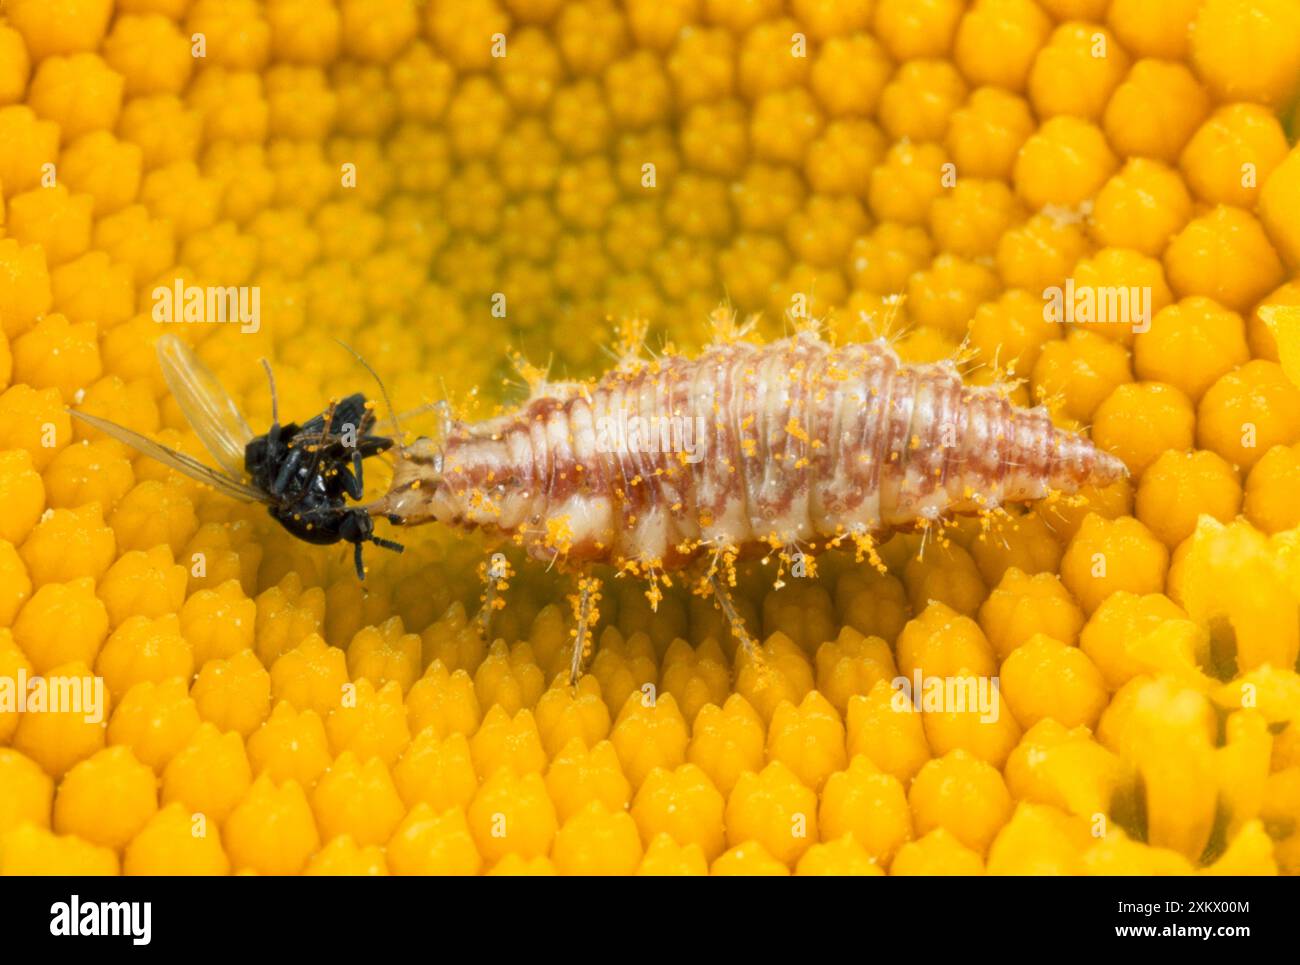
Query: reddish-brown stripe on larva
x=785, y=443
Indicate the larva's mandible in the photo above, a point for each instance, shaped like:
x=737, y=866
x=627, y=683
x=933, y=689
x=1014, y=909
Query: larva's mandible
x=790, y=444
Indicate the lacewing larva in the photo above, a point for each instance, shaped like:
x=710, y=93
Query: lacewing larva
x=744, y=449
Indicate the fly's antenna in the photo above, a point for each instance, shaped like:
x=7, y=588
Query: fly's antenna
x=392, y=412
x=270, y=378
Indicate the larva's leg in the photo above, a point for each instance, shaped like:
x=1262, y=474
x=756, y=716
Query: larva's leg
x=586, y=613
x=489, y=606
x=732, y=614
x=496, y=577
x=484, y=618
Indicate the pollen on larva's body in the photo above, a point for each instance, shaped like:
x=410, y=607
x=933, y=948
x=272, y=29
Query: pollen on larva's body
x=795, y=458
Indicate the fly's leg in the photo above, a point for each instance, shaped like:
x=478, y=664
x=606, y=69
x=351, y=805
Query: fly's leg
x=379, y=541
x=586, y=612
x=296, y=458
x=288, y=469
x=355, y=485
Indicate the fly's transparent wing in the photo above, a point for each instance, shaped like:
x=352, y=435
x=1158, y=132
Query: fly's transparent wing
x=175, y=460
x=208, y=407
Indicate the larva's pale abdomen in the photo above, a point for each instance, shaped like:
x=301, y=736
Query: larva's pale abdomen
x=778, y=445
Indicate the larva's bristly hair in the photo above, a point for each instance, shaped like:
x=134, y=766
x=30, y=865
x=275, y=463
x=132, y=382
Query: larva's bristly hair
x=727, y=327
x=891, y=327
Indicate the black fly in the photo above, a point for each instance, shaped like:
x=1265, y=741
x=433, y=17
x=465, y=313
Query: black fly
x=304, y=474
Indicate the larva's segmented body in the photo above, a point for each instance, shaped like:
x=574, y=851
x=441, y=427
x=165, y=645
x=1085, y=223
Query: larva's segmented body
x=786, y=444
